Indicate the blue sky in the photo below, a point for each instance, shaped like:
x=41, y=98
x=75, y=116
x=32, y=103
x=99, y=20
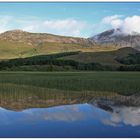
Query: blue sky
x=71, y=19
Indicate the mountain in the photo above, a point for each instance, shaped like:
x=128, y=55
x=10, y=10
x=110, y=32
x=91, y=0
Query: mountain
x=117, y=38
x=37, y=39
x=22, y=44
x=19, y=44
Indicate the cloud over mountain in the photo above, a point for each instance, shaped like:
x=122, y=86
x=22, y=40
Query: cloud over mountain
x=128, y=25
x=67, y=26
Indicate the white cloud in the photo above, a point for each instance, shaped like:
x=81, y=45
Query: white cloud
x=114, y=20
x=4, y=23
x=69, y=27
x=131, y=24
x=128, y=25
x=127, y=115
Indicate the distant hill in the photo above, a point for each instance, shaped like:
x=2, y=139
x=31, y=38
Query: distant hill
x=38, y=39
x=110, y=61
x=21, y=44
x=104, y=57
x=117, y=38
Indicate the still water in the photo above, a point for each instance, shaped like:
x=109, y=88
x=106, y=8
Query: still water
x=70, y=115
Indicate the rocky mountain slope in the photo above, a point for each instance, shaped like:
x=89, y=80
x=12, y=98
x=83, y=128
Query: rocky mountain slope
x=117, y=38
x=37, y=39
x=20, y=44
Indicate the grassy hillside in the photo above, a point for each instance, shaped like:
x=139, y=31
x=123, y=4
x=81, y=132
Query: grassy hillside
x=102, y=57
x=108, y=60
x=10, y=50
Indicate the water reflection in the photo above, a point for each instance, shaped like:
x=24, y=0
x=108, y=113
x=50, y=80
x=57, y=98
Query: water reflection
x=81, y=120
x=55, y=113
x=127, y=115
x=20, y=97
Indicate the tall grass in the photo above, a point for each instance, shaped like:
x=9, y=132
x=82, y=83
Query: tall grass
x=120, y=82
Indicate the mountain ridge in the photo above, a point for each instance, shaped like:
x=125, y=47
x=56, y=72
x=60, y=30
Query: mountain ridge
x=117, y=38
x=20, y=44
x=37, y=38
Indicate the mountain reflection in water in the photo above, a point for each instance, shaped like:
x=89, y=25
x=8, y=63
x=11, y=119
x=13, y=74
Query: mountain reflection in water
x=69, y=114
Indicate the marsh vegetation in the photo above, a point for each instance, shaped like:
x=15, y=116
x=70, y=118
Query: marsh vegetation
x=123, y=83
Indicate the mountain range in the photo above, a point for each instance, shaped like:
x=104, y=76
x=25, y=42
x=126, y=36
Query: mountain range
x=18, y=43
x=111, y=48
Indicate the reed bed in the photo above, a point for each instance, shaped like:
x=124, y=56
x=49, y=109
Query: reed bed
x=126, y=83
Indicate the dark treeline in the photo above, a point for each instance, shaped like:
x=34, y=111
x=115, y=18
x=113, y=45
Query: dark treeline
x=50, y=61
x=131, y=62
x=55, y=62
x=131, y=59
x=129, y=68
x=35, y=60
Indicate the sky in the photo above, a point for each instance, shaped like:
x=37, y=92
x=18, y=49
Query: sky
x=70, y=19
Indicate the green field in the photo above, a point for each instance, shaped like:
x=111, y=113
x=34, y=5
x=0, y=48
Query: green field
x=118, y=82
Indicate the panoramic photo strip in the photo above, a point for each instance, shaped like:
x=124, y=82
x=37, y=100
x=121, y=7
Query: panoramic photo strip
x=69, y=69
